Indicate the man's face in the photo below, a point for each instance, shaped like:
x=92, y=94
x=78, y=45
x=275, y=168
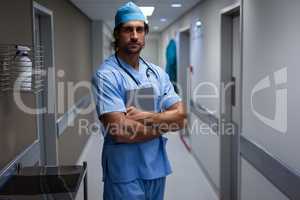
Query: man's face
x=131, y=37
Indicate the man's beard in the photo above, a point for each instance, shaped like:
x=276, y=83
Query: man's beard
x=134, y=50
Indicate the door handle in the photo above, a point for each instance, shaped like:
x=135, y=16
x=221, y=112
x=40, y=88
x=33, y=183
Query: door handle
x=233, y=92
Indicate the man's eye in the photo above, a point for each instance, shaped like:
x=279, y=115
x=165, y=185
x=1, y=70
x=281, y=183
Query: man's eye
x=140, y=29
x=127, y=29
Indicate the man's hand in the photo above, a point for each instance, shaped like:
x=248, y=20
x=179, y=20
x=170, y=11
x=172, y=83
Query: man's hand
x=141, y=116
x=173, y=119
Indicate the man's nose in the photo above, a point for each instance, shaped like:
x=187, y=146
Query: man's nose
x=134, y=34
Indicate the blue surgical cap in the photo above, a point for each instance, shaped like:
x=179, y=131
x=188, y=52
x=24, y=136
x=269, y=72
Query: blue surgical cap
x=129, y=12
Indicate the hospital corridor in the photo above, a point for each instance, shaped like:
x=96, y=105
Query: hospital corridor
x=149, y=100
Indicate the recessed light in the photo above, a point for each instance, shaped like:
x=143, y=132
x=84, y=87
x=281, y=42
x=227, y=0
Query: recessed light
x=155, y=27
x=163, y=19
x=147, y=10
x=176, y=5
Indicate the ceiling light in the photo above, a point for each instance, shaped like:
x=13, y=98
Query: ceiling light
x=147, y=10
x=198, y=23
x=176, y=5
x=163, y=19
x=155, y=27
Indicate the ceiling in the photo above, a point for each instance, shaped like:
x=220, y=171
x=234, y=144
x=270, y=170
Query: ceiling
x=105, y=10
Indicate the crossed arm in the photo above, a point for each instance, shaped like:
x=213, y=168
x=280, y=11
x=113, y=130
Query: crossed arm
x=139, y=126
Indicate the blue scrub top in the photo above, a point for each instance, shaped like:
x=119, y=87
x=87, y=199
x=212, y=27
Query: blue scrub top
x=128, y=162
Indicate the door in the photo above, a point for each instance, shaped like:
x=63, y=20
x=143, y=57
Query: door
x=183, y=69
x=46, y=100
x=230, y=101
x=184, y=78
x=184, y=64
x=236, y=69
x=39, y=96
x=236, y=100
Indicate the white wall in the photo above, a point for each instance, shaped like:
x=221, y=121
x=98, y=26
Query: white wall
x=150, y=52
x=97, y=46
x=101, y=43
x=271, y=43
x=206, y=147
x=107, y=42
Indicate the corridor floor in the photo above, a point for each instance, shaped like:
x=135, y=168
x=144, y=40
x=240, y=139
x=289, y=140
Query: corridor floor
x=187, y=182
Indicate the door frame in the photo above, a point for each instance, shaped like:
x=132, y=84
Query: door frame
x=46, y=122
x=181, y=32
x=184, y=133
x=230, y=168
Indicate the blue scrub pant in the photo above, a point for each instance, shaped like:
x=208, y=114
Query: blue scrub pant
x=135, y=190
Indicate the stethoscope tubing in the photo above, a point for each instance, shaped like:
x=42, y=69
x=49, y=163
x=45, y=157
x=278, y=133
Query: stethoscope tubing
x=131, y=76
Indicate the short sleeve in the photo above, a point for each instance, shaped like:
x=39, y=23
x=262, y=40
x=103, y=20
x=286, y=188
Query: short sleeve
x=107, y=94
x=169, y=97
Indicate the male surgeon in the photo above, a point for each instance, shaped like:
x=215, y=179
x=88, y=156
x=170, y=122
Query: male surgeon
x=134, y=158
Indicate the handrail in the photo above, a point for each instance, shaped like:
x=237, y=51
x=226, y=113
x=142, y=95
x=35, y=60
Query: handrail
x=69, y=116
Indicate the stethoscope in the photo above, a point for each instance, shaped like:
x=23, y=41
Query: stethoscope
x=131, y=76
